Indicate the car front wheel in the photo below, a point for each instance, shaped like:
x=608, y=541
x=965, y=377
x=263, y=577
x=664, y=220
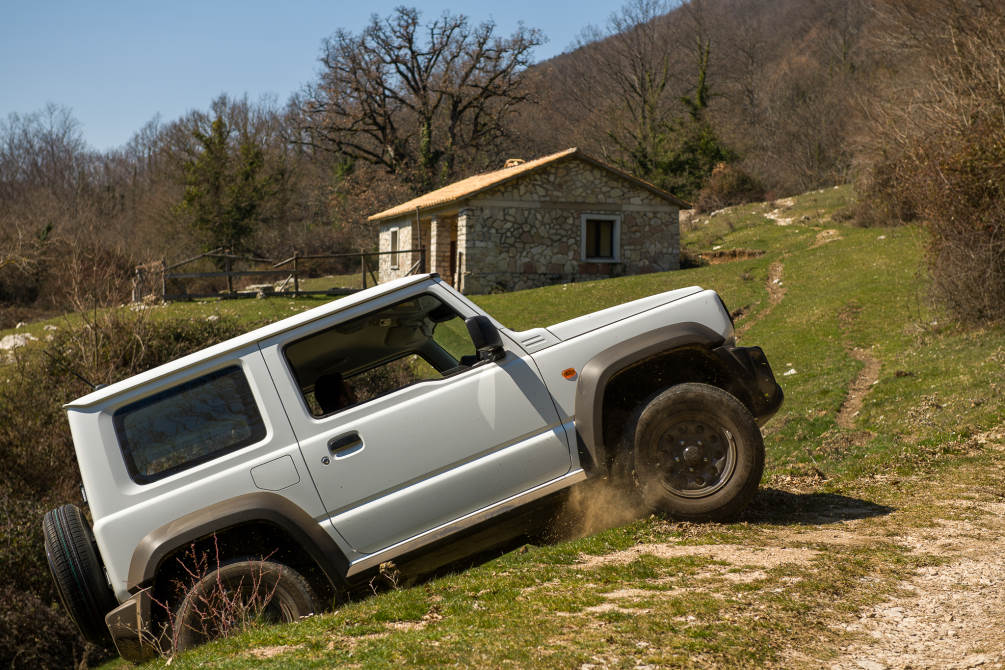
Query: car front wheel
x=698, y=453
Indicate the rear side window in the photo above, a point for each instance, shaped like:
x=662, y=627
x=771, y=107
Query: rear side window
x=188, y=424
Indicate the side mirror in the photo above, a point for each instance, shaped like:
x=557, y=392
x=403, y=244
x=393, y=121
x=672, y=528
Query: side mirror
x=488, y=344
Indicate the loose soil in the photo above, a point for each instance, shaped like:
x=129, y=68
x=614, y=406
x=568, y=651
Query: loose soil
x=718, y=256
x=948, y=614
x=737, y=555
x=825, y=236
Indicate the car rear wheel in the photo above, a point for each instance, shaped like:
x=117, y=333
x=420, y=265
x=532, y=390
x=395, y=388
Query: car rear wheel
x=698, y=453
x=76, y=568
x=239, y=594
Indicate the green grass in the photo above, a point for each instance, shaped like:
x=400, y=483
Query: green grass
x=938, y=386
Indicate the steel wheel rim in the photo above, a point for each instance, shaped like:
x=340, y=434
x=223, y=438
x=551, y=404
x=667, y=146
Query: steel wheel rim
x=694, y=458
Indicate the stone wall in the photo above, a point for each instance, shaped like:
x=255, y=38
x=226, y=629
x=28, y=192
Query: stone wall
x=528, y=233
x=436, y=236
x=388, y=268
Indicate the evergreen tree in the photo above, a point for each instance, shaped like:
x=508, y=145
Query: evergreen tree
x=225, y=187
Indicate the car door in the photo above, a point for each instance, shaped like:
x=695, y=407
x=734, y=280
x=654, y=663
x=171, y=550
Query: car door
x=422, y=455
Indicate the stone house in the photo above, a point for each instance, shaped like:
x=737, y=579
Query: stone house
x=565, y=217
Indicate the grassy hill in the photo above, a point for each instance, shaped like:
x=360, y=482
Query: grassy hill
x=892, y=418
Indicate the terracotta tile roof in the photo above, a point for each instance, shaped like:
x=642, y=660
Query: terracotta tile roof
x=473, y=185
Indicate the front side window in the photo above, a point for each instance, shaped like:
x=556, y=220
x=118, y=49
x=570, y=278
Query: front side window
x=188, y=424
x=601, y=237
x=381, y=352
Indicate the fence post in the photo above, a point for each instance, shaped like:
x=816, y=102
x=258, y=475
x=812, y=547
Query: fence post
x=422, y=260
x=362, y=264
x=230, y=277
x=296, y=276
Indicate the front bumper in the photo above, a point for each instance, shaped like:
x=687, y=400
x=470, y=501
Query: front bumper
x=751, y=380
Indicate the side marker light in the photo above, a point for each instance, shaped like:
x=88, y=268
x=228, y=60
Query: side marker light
x=569, y=373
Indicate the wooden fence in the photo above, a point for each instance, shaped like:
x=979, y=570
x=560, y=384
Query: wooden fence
x=171, y=282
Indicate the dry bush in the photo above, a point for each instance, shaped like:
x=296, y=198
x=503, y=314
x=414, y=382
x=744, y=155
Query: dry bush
x=881, y=199
x=34, y=630
x=34, y=634
x=689, y=258
x=728, y=185
x=212, y=606
x=222, y=609
x=58, y=274
x=38, y=468
x=965, y=191
x=936, y=145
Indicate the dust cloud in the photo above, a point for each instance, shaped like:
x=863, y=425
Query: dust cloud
x=596, y=505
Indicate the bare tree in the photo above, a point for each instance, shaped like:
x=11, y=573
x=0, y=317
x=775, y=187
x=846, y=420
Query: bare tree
x=625, y=75
x=43, y=151
x=415, y=98
x=646, y=79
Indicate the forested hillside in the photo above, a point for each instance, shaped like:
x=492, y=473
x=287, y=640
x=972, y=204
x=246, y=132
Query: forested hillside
x=719, y=101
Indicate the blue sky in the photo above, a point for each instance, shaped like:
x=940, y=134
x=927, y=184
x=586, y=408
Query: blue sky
x=118, y=63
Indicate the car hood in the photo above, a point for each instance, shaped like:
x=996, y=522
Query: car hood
x=588, y=322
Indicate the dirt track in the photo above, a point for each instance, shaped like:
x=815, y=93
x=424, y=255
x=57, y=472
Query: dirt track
x=776, y=291
x=952, y=615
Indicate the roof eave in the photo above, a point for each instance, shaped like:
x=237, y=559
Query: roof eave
x=437, y=208
x=561, y=156
x=570, y=153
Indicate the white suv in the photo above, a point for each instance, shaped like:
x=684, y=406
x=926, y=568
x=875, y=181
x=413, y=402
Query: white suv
x=305, y=454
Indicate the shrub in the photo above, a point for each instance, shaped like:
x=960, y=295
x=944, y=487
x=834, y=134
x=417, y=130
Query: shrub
x=38, y=469
x=690, y=258
x=937, y=150
x=728, y=185
x=34, y=634
x=884, y=196
x=966, y=188
x=54, y=275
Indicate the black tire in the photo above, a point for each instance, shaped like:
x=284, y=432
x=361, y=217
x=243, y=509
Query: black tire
x=76, y=568
x=244, y=590
x=698, y=453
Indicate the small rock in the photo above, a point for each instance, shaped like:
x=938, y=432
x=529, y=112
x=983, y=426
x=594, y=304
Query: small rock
x=16, y=340
x=867, y=664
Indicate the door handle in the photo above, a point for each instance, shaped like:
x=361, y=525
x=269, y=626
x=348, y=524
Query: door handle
x=346, y=445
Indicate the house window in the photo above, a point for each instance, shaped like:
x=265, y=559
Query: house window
x=601, y=237
x=394, y=248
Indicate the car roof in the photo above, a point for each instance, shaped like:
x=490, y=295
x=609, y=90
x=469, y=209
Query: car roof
x=249, y=338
